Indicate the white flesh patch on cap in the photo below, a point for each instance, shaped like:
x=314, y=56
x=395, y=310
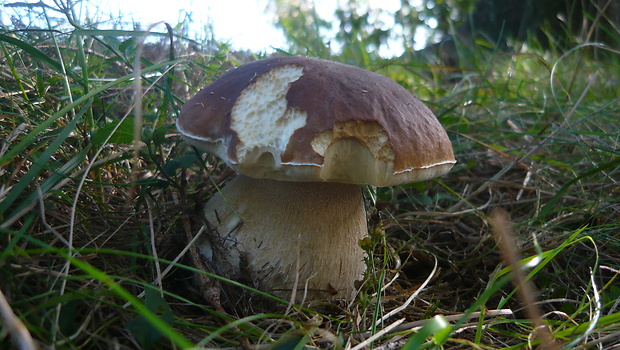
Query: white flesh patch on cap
x=369, y=134
x=262, y=120
x=355, y=152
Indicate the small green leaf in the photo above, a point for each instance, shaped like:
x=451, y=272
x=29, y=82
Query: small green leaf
x=37, y=54
x=297, y=342
x=142, y=328
x=118, y=132
x=438, y=328
x=127, y=45
x=173, y=165
x=159, y=134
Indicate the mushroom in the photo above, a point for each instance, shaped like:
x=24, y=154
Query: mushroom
x=304, y=134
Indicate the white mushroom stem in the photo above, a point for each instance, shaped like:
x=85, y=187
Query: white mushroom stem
x=272, y=233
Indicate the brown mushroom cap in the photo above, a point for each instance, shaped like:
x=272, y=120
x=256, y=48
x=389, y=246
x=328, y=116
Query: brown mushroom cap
x=308, y=119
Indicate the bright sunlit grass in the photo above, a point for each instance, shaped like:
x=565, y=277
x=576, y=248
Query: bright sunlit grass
x=95, y=234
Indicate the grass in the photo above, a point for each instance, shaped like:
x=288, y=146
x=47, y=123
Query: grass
x=99, y=199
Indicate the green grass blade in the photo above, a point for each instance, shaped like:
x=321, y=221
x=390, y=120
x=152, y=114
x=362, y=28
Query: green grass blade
x=37, y=54
x=142, y=309
x=438, y=328
x=39, y=164
x=552, y=202
x=50, y=182
x=47, y=123
x=117, y=33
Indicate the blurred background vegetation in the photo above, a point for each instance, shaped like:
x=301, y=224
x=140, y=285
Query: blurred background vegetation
x=360, y=29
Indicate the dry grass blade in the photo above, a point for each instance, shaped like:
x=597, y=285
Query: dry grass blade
x=377, y=335
x=15, y=326
x=412, y=296
x=525, y=289
x=415, y=325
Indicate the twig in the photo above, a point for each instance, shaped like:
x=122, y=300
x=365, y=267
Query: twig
x=451, y=318
x=296, y=282
x=159, y=274
x=411, y=297
x=378, y=335
x=591, y=344
x=210, y=288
